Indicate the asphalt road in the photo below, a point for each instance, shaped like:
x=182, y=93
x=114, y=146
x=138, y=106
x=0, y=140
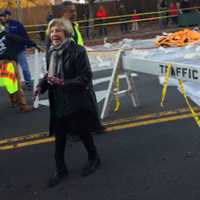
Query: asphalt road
x=147, y=152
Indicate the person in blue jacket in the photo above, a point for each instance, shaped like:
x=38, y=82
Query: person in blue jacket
x=17, y=28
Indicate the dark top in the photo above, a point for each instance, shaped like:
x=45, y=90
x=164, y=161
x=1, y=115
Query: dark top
x=183, y=5
x=17, y=28
x=77, y=94
x=9, y=45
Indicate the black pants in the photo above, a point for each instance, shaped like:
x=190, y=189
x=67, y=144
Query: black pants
x=76, y=124
x=102, y=28
x=124, y=27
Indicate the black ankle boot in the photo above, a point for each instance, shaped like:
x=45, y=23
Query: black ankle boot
x=91, y=166
x=57, y=178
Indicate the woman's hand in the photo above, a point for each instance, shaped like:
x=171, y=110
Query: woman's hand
x=56, y=81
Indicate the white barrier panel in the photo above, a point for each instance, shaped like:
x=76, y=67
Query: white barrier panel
x=99, y=60
x=106, y=104
x=179, y=71
x=41, y=64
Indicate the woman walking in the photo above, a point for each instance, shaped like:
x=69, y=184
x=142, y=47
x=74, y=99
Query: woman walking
x=73, y=107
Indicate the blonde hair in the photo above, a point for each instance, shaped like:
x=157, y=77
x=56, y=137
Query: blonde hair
x=64, y=24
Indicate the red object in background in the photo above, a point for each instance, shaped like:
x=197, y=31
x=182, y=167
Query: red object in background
x=135, y=17
x=152, y=18
x=173, y=9
x=101, y=13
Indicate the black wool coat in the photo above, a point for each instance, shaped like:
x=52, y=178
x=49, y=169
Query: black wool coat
x=77, y=92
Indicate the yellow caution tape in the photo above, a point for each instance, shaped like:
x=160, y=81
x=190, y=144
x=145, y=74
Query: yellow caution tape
x=117, y=100
x=166, y=81
x=116, y=18
x=139, y=14
x=164, y=91
x=194, y=114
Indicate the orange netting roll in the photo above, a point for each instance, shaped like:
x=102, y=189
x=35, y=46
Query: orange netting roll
x=179, y=39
